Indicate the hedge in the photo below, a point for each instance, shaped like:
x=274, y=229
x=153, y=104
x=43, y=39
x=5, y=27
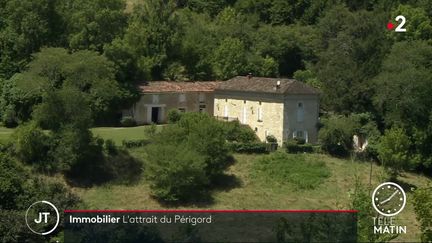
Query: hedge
x=248, y=148
x=128, y=121
x=135, y=143
x=293, y=147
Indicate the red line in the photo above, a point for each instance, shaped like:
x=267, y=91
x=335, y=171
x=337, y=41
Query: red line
x=207, y=211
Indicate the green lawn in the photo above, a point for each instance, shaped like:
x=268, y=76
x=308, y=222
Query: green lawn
x=248, y=191
x=117, y=134
x=5, y=133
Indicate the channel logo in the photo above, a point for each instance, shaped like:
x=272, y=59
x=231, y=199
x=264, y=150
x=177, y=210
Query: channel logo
x=42, y=217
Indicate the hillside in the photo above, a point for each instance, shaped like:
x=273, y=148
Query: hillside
x=242, y=190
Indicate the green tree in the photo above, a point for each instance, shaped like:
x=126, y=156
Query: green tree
x=197, y=44
x=93, y=24
x=393, y=151
x=149, y=41
x=86, y=71
x=11, y=183
x=207, y=136
x=403, y=95
x=60, y=108
x=352, y=52
x=31, y=144
x=229, y=59
x=418, y=23
x=211, y=7
x=403, y=86
x=25, y=27
x=176, y=172
x=423, y=209
x=16, y=103
x=336, y=135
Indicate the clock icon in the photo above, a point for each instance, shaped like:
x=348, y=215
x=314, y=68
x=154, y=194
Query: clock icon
x=388, y=199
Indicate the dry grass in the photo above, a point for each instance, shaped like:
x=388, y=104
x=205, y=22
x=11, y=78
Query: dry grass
x=251, y=193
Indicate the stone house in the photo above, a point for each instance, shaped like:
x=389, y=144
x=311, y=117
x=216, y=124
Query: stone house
x=159, y=97
x=284, y=108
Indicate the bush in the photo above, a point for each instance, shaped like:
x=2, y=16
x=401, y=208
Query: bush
x=336, y=135
x=31, y=144
x=78, y=154
x=300, y=141
x=12, y=178
x=110, y=147
x=423, y=209
x=202, y=139
x=294, y=147
x=9, y=118
x=12, y=228
x=271, y=139
x=393, y=150
x=128, y=121
x=176, y=172
x=281, y=168
x=235, y=132
x=248, y=148
x=135, y=143
x=173, y=116
x=206, y=135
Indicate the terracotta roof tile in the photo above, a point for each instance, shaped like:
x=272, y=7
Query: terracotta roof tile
x=266, y=85
x=177, y=87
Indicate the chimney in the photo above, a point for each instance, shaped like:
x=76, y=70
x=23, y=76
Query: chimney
x=278, y=83
x=249, y=75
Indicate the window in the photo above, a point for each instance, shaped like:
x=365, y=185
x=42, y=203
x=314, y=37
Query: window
x=300, y=112
x=244, y=115
x=244, y=101
x=301, y=134
x=182, y=110
x=155, y=99
x=260, y=114
x=201, y=97
x=202, y=108
x=182, y=97
x=256, y=129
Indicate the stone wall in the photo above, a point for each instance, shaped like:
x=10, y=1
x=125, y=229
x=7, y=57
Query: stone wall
x=308, y=125
x=279, y=113
x=190, y=102
x=247, y=110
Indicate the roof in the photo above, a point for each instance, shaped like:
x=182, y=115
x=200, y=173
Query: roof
x=177, y=87
x=266, y=85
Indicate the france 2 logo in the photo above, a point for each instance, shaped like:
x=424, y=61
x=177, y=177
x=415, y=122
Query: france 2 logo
x=399, y=28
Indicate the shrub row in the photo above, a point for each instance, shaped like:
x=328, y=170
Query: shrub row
x=294, y=147
x=135, y=143
x=128, y=121
x=252, y=147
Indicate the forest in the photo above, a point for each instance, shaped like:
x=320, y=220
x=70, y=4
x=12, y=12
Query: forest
x=54, y=50
x=69, y=65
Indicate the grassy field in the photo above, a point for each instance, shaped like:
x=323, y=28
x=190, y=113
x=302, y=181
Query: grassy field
x=244, y=190
x=118, y=134
x=5, y=133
